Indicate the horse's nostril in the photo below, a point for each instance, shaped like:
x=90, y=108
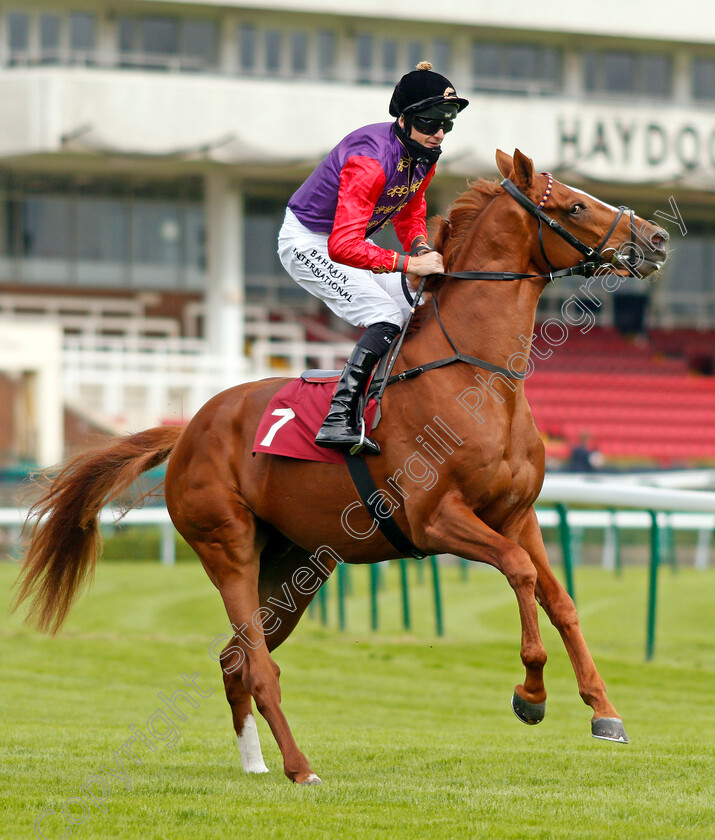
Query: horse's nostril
x=659, y=239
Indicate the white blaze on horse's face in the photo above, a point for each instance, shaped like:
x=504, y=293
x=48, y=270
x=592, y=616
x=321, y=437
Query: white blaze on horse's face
x=593, y=198
x=646, y=248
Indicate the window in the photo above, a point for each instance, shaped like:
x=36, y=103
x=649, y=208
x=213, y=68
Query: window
x=247, y=47
x=102, y=240
x=195, y=248
x=50, y=27
x=102, y=233
x=82, y=36
x=46, y=238
x=656, y=80
x=441, y=57
x=389, y=60
x=157, y=242
x=486, y=61
x=619, y=72
x=363, y=52
x=102, y=229
x=18, y=36
x=521, y=62
x=628, y=74
x=46, y=231
x=264, y=217
x=6, y=226
x=159, y=36
x=273, y=51
x=266, y=280
x=415, y=54
x=199, y=44
x=162, y=43
x=703, y=79
x=326, y=54
x=516, y=68
x=299, y=53
x=127, y=28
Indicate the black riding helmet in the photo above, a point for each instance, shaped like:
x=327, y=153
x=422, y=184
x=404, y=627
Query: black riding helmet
x=423, y=93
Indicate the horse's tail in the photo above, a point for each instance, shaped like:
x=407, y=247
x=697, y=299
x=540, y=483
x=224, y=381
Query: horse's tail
x=64, y=540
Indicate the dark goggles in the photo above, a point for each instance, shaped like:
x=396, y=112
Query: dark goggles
x=431, y=126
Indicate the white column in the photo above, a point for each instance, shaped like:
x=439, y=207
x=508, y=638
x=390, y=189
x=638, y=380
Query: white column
x=34, y=350
x=107, y=41
x=225, y=295
x=573, y=75
x=682, y=70
x=50, y=411
x=228, y=45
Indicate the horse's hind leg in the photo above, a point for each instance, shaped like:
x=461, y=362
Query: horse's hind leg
x=559, y=607
x=276, y=592
x=229, y=547
x=239, y=699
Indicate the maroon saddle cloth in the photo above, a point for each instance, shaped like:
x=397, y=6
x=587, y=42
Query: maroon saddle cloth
x=294, y=415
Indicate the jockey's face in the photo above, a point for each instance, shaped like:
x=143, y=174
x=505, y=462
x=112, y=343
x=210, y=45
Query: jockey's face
x=429, y=141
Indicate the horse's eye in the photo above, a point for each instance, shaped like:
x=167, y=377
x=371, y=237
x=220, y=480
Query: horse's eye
x=576, y=209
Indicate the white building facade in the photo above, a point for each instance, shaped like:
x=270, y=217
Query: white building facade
x=148, y=148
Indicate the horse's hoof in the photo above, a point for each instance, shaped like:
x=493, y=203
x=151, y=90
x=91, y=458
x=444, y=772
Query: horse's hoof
x=529, y=713
x=311, y=779
x=609, y=729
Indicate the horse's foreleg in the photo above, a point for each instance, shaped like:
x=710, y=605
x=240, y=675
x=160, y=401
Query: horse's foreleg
x=559, y=607
x=452, y=527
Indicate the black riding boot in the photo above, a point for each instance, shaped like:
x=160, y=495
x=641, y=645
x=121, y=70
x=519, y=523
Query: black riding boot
x=340, y=429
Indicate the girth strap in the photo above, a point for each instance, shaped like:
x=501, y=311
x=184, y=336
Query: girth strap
x=360, y=474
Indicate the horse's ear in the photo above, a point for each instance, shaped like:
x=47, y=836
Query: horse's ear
x=504, y=163
x=523, y=171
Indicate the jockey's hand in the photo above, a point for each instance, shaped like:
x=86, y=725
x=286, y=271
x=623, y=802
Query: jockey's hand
x=429, y=263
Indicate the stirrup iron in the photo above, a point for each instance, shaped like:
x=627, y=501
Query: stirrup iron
x=357, y=448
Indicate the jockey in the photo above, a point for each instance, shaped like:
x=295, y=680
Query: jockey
x=376, y=174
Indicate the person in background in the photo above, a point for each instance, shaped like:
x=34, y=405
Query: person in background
x=375, y=175
x=584, y=458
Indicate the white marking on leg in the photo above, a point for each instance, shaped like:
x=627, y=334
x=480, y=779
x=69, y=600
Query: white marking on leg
x=250, y=747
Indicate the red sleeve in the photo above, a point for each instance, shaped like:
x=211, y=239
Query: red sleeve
x=361, y=183
x=410, y=222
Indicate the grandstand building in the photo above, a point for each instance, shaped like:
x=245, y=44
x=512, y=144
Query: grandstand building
x=148, y=149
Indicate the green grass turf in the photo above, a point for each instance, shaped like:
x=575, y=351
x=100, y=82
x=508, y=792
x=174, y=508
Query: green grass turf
x=412, y=735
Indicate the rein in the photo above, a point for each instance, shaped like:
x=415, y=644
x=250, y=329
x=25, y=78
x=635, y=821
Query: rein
x=593, y=258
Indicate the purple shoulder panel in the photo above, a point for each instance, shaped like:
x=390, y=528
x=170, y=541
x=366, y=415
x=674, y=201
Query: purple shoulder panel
x=315, y=202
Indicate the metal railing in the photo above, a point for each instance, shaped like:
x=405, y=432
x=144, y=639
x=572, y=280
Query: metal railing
x=623, y=505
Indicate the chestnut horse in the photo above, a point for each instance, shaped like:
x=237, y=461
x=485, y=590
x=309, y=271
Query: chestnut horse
x=268, y=529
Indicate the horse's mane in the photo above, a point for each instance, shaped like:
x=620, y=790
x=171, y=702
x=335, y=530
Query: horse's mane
x=450, y=234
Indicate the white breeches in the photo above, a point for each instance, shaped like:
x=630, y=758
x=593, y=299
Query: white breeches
x=356, y=295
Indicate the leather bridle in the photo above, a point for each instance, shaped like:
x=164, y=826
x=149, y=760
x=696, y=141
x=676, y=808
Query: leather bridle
x=593, y=259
